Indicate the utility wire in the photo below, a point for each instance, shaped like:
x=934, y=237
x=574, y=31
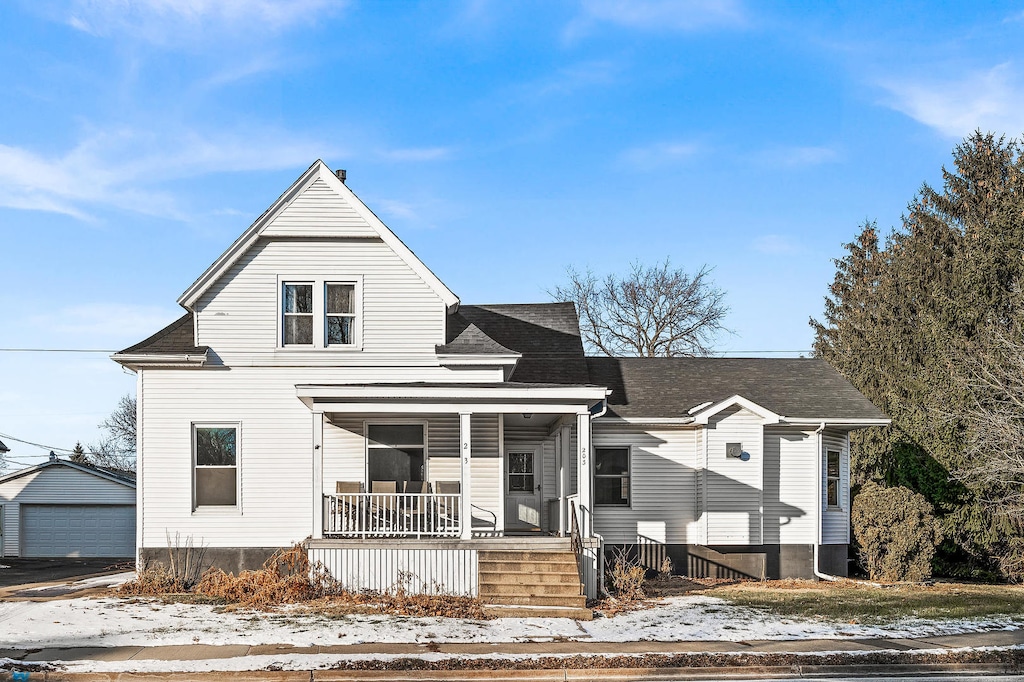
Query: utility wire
x=55, y=350
x=38, y=445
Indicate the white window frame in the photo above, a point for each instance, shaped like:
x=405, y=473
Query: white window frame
x=319, y=283
x=395, y=422
x=838, y=506
x=629, y=475
x=236, y=508
x=284, y=314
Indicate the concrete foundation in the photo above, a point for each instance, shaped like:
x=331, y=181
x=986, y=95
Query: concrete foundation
x=228, y=559
x=758, y=562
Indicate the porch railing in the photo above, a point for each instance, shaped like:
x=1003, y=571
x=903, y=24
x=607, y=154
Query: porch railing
x=392, y=515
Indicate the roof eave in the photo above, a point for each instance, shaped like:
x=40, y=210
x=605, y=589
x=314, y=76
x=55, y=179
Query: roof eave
x=134, y=360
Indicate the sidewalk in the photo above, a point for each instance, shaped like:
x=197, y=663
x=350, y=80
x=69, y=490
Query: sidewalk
x=198, y=652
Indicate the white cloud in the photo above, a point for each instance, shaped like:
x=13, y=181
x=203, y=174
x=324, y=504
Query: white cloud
x=798, y=157
x=172, y=22
x=775, y=244
x=991, y=100
x=120, y=169
x=659, y=155
x=398, y=209
x=658, y=15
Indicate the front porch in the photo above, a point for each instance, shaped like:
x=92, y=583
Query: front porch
x=410, y=479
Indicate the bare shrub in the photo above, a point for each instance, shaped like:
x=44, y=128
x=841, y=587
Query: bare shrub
x=152, y=582
x=626, y=575
x=666, y=568
x=897, y=533
x=287, y=577
x=185, y=561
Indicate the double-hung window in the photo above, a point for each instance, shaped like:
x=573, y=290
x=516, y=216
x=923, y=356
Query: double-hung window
x=320, y=312
x=611, y=476
x=215, y=465
x=298, y=314
x=340, y=313
x=832, y=478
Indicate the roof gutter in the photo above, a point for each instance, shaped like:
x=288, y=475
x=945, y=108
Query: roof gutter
x=145, y=359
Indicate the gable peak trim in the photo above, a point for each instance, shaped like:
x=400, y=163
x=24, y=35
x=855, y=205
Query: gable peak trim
x=766, y=415
x=318, y=171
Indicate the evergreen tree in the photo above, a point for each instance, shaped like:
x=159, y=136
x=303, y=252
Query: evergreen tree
x=78, y=454
x=903, y=321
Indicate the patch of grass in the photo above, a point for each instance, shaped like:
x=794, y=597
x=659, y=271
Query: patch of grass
x=852, y=601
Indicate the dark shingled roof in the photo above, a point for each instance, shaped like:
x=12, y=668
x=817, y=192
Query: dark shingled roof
x=4, y=448
x=546, y=334
x=671, y=387
x=177, y=338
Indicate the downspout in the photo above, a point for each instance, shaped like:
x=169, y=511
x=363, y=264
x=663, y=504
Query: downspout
x=817, y=506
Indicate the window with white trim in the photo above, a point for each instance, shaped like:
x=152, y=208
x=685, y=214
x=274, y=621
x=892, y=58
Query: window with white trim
x=340, y=314
x=320, y=312
x=611, y=476
x=395, y=452
x=297, y=325
x=215, y=465
x=833, y=476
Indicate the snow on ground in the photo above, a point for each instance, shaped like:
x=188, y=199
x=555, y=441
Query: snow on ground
x=118, y=622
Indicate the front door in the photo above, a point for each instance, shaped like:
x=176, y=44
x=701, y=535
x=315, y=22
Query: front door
x=522, y=489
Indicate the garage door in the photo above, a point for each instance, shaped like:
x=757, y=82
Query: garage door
x=75, y=530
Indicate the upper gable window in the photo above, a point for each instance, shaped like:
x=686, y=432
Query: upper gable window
x=320, y=312
x=340, y=314
x=298, y=315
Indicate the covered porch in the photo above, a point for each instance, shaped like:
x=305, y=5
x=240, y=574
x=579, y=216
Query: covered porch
x=450, y=460
x=409, y=479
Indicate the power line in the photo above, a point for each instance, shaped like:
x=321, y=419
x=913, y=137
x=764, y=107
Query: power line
x=55, y=350
x=38, y=445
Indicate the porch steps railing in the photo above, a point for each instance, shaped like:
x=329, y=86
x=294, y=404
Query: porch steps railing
x=375, y=515
x=531, y=578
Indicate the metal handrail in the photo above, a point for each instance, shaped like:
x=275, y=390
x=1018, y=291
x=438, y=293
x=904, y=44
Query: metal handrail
x=576, y=541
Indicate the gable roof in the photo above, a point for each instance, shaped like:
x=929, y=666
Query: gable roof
x=177, y=338
x=318, y=172
x=796, y=388
x=116, y=476
x=546, y=335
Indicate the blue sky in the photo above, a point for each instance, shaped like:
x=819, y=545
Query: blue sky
x=503, y=141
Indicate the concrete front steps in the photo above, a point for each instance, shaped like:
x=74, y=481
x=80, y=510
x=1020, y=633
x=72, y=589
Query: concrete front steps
x=540, y=581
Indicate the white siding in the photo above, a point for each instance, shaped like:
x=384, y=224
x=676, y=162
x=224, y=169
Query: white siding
x=402, y=318
x=319, y=210
x=734, y=486
x=275, y=454
x=789, y=488
x=663, y=486
x=835, y=524
x=55, y=485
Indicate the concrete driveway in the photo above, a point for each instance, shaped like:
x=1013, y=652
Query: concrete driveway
x=21, y=571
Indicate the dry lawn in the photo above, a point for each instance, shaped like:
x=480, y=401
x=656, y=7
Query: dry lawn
x=856, y=601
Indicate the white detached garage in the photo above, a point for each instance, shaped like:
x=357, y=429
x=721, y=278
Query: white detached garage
x=65, y=509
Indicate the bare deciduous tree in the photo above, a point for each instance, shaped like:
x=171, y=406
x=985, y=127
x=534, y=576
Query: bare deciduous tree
x=652, y=311
x=117, y=448
x=993, y=377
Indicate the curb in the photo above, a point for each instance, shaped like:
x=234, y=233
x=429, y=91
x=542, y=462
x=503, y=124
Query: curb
x=548, y=675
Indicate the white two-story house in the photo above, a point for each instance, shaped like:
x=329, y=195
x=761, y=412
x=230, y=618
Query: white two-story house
x=325, y=386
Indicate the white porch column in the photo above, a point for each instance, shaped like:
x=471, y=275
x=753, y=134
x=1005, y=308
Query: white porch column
x=318, y=475
x=585, y=477
x=564, y=439
x=466, y=450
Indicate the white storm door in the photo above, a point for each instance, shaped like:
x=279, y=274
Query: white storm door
x=522, y=489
